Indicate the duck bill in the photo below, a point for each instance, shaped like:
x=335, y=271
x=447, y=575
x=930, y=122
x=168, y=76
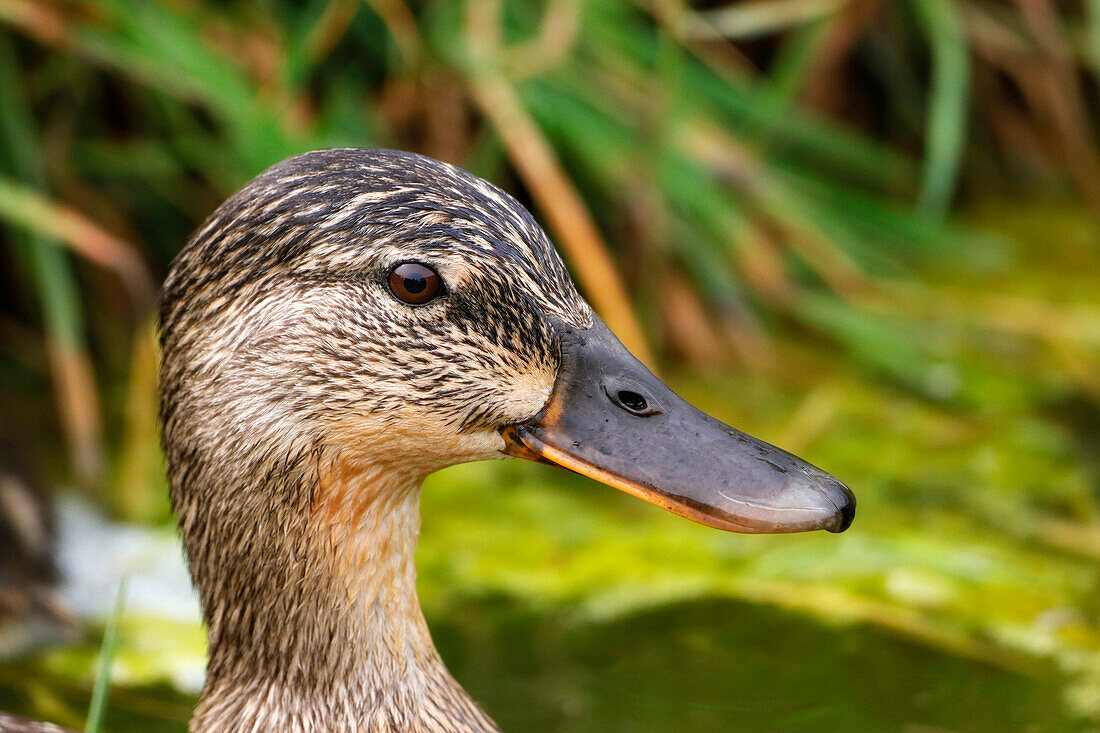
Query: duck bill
x=609, y=418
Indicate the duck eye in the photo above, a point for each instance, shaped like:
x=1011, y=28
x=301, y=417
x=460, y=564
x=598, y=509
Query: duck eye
x=415, y=284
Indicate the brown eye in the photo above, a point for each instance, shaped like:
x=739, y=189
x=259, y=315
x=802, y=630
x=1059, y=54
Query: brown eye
x=415, y=284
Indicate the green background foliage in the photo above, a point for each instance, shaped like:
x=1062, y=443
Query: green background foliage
x=864, y=231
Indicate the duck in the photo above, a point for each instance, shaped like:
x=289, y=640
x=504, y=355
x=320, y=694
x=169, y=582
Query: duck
x=349, y=322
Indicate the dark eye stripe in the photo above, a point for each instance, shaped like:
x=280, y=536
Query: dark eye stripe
x=414, y=283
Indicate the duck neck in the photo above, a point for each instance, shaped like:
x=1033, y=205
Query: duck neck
x=325, y=631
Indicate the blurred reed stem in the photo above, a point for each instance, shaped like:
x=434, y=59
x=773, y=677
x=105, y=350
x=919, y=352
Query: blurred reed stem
x=72, y=371
x=948, y=103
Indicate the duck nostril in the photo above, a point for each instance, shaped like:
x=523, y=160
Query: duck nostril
x=632, y=400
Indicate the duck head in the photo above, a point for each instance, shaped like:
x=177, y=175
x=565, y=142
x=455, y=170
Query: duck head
x=351, y=321
x=387, y=303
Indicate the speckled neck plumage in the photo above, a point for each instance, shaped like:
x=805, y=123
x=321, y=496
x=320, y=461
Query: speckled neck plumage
x=355, y=653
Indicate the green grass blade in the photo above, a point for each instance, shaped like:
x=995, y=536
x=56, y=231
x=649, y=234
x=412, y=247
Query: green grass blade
x=793, y=63
x=98, y=705
x=1092, y=34
x=758, y=18
x=50, y=270
x=948, y=104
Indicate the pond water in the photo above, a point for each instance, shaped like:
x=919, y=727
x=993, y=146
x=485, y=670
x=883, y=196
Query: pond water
x=704, y=665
